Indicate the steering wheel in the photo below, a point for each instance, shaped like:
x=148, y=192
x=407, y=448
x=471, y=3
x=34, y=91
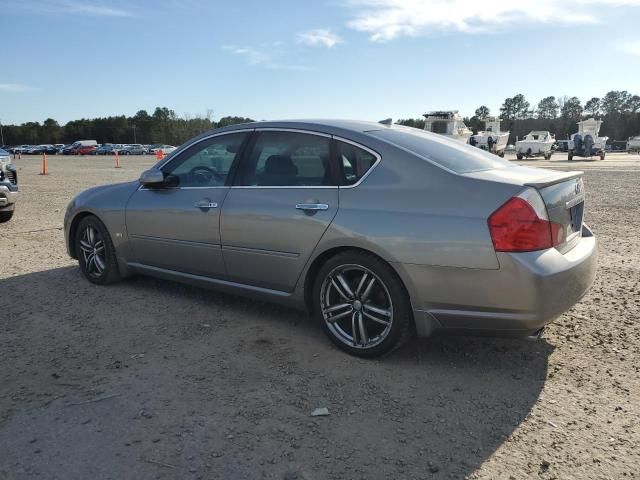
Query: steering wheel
x=204, y=174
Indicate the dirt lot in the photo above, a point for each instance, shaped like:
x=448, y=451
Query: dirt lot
x=152, y=379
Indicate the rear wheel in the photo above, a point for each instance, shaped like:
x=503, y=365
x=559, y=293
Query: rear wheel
x=519, y=156
x=362, y=304
x=6, y=215
x=96, y=255
x=602, y=155
x=570, y=156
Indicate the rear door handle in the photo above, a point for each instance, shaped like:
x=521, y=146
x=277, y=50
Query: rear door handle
x=206, y=204
x=312, y=206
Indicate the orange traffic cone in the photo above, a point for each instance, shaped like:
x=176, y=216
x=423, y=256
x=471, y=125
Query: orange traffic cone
x=115, y=152
x=44, y=164
x=159, y=154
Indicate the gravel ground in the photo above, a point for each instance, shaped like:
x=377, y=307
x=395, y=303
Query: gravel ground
x=152, y=379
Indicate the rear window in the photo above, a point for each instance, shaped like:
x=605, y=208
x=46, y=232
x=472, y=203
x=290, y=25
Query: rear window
x=448, y=153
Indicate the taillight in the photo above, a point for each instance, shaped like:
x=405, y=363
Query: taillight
x=522, y=225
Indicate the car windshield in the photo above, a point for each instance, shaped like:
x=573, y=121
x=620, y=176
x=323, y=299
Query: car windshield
x=448, y=153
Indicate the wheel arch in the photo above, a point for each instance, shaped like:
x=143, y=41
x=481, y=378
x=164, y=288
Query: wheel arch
x=317, y=263
x=73, y=229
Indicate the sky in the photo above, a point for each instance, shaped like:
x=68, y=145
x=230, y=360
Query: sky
x=277, y=59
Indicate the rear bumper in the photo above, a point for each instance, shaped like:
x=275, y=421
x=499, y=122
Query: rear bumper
x=528, y=291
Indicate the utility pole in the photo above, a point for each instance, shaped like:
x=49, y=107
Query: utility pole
x=1, y=134
x=134, y=134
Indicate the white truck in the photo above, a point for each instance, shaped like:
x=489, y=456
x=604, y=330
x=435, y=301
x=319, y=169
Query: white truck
x=538, y=143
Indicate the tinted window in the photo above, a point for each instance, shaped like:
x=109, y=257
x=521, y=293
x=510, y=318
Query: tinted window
x=206, y=164
x=288, y=159
x=355, y=162
x=448, y=153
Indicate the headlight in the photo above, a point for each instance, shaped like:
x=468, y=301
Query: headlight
x=5, y=162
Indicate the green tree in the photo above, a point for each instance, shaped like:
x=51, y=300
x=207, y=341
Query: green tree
x=482, y=112
x=592, y=107
x=572, y=109
x=412, y=122
x=614, y=102
x=548, y=108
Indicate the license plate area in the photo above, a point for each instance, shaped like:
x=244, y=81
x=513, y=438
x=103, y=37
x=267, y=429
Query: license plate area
x=576, y=214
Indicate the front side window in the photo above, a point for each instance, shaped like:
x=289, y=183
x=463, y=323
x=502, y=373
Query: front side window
x=288, y=159
x=206, y=164
x=355, y=162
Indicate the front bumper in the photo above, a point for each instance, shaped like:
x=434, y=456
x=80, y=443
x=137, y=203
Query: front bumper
x=528, y=291
x=8, y=196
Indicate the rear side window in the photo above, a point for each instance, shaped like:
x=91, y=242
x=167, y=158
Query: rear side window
x=288, y=159
x=354, y=161
x=448, y=153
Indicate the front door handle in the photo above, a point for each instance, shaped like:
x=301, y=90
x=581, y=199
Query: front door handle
x=312, y=206
x=206, y=204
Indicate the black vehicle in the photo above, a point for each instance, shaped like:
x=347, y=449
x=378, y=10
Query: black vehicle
x=8, y=187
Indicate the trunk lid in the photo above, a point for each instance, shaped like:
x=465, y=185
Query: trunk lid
x=562, y=193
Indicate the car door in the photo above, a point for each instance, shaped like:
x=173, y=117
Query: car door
x=282, y=202
x=177, y=226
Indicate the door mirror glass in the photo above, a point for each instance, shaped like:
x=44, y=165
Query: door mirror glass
x=152, y=178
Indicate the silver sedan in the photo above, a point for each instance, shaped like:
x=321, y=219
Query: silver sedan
x=380, y=231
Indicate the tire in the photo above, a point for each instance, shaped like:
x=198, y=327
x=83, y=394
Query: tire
x=353, y=325
x=6, y=215
x=602, y=155
x=519, y=156
x=104, y=252
x=570, y=156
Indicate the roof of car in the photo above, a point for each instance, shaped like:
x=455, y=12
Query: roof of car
x=313, y=124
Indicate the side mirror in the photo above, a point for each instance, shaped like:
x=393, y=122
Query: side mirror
x=152, y=178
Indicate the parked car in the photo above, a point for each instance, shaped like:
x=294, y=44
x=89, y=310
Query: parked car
x=8, y=187
x=132, y=149
x=83, y=150
x=19, y=148
x=378, y=230
x=106, y=149
x=39, y=149
x=153, y=148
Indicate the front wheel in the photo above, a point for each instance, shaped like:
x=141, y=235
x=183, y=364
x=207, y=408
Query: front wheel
x=570, y=156
x=6, y=215
x=96, y=255
x=362, y=304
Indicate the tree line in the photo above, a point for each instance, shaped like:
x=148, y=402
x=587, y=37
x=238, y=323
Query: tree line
x=619, y=110
x=163, y=126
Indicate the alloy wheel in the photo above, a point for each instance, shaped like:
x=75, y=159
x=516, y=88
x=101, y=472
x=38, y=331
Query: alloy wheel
x=93, y=252
x=356, y=306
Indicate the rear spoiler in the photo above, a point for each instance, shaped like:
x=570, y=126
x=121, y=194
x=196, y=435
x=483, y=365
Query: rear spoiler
x=552, y=180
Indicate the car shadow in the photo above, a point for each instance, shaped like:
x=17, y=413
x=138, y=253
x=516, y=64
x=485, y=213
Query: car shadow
x=241, y=377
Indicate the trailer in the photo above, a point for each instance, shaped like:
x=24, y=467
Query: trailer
x=633, y=144
x=491, y=139
x=586, y=142
x=538, y=143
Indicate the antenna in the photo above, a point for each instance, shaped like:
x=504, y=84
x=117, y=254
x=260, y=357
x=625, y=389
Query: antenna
x=386, y=121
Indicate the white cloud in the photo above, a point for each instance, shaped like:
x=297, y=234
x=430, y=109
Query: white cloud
x=14, y=87
x=255, y=56
x=84, y=8
x=319, y=37
x=632, y=48
x=65, y=7
x=387, y=19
